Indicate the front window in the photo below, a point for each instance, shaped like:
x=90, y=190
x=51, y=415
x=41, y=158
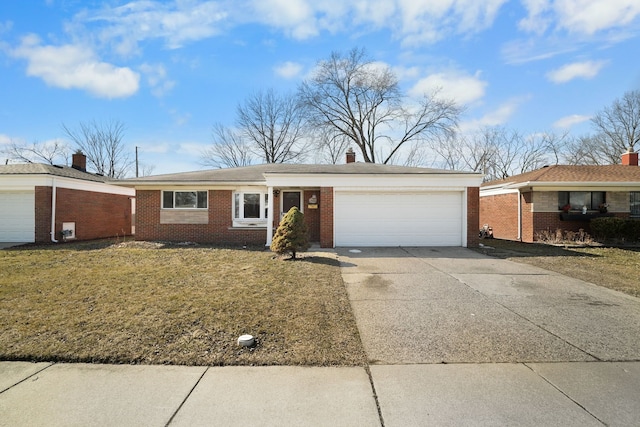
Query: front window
x=250, y=207
x=577, y=199
x=184, y=199
x=634, y=203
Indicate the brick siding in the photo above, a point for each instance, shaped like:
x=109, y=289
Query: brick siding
x=96, y=215
x=473, y=216
x=219, y=228
x=501, y=213
x=326, y=217
x=312, y=216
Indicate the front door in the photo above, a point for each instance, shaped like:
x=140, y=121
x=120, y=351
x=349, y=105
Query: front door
x=289, y=200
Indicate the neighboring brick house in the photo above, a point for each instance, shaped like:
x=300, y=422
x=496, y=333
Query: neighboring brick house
x=560, y=197
x=39, y=201
x=352, y=204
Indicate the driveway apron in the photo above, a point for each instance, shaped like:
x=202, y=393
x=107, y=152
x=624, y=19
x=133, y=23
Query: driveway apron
x=453, y=305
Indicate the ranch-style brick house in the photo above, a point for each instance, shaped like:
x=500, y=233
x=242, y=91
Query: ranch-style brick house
x=39, y=201
x=560, y=197
x=352, y=204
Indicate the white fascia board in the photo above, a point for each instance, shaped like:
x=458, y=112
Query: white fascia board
x=29, y=182
x=202, y=185
x=496, y=191
x=380, y=181
x=576, y=185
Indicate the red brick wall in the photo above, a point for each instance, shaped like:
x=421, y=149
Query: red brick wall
x=473, y=216
x=97, y=215
x=528, y=229
x=312, y=216
x=326, y=217
x=219, y=229
x=43, y=214
x=501, y=213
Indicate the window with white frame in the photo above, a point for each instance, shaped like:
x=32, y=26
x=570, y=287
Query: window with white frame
x=577, y=199
x=250, y=207
x=185, y=200
x=634, y=203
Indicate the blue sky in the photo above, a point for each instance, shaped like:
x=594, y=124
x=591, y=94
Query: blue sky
x=169, y=70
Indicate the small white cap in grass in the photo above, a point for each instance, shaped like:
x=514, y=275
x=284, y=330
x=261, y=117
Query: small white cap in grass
x=246, y=340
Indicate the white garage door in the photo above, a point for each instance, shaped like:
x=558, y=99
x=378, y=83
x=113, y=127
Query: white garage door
x=17, y=216
x=398, y=219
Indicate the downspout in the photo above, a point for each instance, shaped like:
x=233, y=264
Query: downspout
x=519, y=215
x=271, y=201
x=53, y=210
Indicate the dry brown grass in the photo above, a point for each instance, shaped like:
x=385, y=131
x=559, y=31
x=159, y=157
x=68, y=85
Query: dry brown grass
x=614, y=268
x=146, y=304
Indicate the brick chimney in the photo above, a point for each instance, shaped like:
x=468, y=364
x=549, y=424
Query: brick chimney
x=630, y=158
x=351, y=156
x=79, y=161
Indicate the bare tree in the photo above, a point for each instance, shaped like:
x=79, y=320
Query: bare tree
x=591, y=150
x=103, y=146
x=50, y=152
x=273, y=125
x=229, y=149
x=499, y=152
x=618, y=126
x=329, y=146
x=361, y=99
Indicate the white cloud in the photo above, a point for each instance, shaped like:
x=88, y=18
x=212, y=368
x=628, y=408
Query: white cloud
x=288, y=70
x=192, y=148
x=157, y=79
x=460, y=87
x=175, y=22
x=579, y=16
x=76, y=67
x=568, y=72
x=497, y=117
x=5, y=139
x=590, y=16
x=570, y=121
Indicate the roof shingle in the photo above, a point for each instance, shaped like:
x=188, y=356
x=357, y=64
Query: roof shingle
x=567, y=173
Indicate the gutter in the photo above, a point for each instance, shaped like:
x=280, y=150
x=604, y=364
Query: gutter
x=53, y=210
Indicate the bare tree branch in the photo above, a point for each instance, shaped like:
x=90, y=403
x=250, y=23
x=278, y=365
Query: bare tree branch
x=360, y=99
x=51, y=152
x=103, y=146
x=273, y=125
x=619, y=126
x=229, y=149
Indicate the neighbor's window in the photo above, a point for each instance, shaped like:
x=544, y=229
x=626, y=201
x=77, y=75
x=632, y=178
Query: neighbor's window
x=634, y=203
x=184, y=199
x=250, y=206
x=577, y=199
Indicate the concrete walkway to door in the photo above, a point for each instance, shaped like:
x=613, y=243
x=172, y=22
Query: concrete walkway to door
x=457, y=338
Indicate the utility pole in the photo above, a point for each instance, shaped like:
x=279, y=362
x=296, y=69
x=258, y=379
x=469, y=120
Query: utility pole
x=136, y=161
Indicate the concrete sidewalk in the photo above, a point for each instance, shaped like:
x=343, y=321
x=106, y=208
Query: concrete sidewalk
x=492, y=394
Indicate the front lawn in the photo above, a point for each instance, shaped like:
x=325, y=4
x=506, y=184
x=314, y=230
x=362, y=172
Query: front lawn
x=156, y=304
x=614, y=268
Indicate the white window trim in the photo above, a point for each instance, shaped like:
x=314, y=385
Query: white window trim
x=174, y=200
x=249, y=222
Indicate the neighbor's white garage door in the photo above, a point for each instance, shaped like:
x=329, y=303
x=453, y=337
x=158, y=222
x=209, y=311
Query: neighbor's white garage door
x=398, y=219
x=17, y=216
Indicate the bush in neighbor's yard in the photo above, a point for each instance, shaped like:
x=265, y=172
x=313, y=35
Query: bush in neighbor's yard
x=616, y=228
x=291, y=235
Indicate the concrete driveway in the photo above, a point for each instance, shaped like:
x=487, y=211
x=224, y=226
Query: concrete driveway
x=458, y=338
x=453, y=305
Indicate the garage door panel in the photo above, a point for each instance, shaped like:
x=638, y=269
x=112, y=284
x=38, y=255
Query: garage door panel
x=17, y=216
x=398, y=219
